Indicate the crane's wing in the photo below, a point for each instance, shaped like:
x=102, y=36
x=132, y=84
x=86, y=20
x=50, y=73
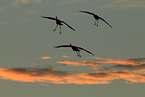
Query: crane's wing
x=68, y=25
x=62, y=46
x=52, y=18
x=105, y=22
x=87, y=12
x=86, y=50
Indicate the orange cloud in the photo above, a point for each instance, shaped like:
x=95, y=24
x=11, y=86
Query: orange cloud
x=132, y=70
x=120, y=61
x=46, y=75
x=34, y=75
x=66, y=56
x=31, y=76
x=120, y=64
x=132, y=62
x=83, y=63
x=46, y=57
x=134, y=77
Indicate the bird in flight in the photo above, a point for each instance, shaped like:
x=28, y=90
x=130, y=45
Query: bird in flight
x=75, y=48
x=96, y=18
x=58, y=22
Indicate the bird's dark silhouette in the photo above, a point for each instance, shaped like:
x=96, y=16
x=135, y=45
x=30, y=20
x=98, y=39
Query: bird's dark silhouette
x=96, y=18
x=75, y=48
x=58, y=22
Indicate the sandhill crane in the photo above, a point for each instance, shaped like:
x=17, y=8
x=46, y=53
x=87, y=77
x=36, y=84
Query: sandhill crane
x=75, y=48
x=58, y=22
x=96, y=18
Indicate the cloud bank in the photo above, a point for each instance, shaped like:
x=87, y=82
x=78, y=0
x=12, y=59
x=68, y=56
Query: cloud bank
x=131, y=71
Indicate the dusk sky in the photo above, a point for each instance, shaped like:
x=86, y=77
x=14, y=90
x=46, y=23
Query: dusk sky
x=30, y=66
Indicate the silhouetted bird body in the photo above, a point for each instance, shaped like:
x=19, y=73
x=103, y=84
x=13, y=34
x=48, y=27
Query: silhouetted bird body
x=75, y=48
x=58, y=22
x=96, y=17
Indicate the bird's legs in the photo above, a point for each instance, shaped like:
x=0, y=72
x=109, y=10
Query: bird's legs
x=78, y=53
x=60, y=29
x=55, y=27
x=97, y=22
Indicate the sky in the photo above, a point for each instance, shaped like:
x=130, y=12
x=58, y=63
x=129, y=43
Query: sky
x=30, y=66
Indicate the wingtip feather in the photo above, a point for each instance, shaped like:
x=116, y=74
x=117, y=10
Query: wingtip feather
x=55, y=46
